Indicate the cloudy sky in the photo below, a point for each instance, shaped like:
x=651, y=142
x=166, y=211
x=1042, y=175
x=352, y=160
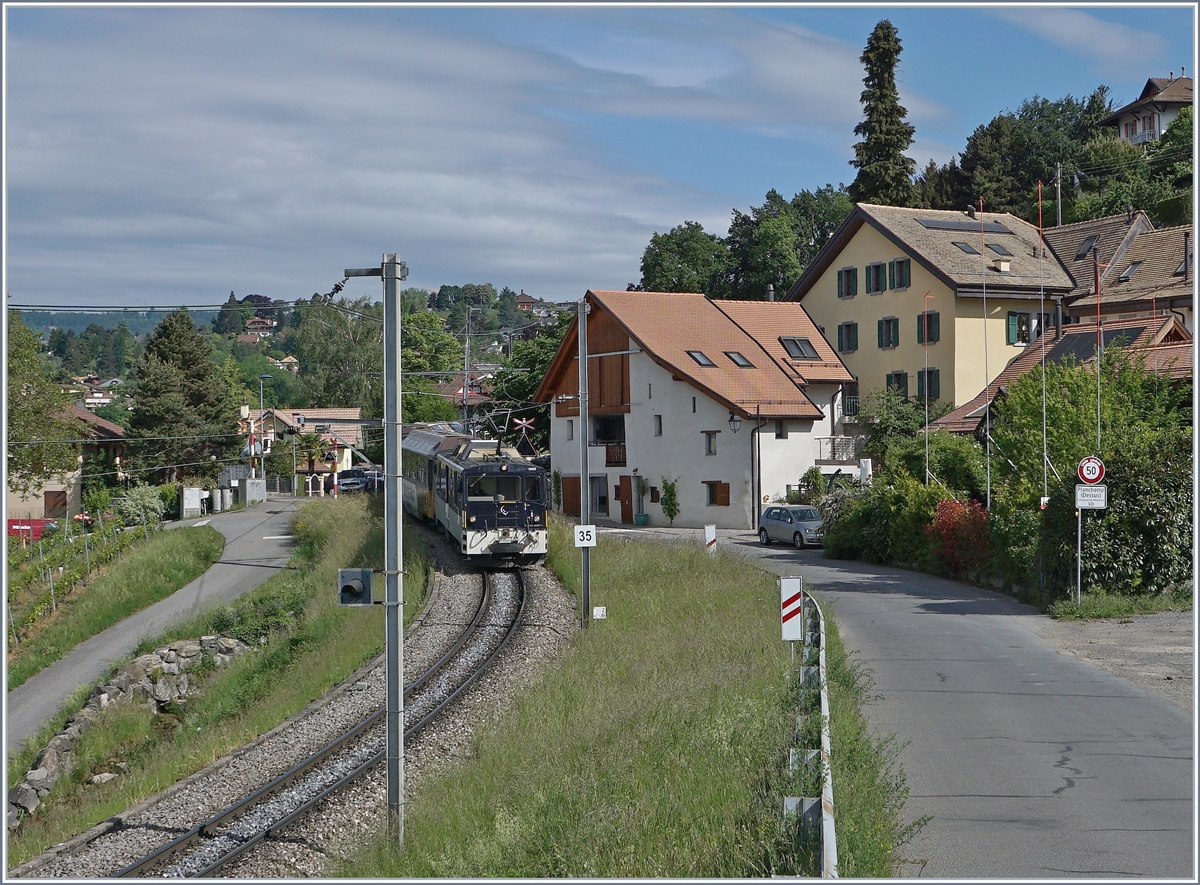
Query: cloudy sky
x=164, y=156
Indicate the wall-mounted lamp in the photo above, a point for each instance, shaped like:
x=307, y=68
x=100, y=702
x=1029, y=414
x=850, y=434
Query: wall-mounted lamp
x=735, y=422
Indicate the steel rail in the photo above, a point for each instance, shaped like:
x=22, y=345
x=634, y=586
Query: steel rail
x=205, y=829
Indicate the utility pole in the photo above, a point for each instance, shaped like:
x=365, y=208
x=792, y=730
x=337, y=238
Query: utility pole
x=392, y=270
x=585, y=480
x=466, y=366
x=1058, y=194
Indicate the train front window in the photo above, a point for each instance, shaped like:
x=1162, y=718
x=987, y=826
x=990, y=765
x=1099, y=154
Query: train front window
x=494, y=488
x=533, y=489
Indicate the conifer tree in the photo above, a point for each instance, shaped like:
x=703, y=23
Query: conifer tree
x=884, y=173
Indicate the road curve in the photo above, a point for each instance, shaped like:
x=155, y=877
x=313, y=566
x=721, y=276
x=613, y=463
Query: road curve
x=1030, y=763
x=257, y=545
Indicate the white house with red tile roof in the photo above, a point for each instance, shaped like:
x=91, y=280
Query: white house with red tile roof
x=731, y=400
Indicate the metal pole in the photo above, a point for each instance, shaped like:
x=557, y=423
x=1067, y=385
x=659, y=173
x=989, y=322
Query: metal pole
x=987, y=400
x=585, y=480
x=393, y=271
x=1079, y=557
x=466, y=368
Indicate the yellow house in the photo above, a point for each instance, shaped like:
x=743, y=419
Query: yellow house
x=900, y=294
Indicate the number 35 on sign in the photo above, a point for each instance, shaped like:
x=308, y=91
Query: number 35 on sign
x=585, y=536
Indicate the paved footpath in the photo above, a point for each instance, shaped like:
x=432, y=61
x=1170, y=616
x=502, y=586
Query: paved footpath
x=258, y=544
x=1029, y=762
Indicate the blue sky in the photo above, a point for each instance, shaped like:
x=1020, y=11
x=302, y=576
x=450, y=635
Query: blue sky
x=168, y=155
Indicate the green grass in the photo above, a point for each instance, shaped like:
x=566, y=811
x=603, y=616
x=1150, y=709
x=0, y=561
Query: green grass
x=151, y=571
x=312, y=645
x=1105, y=605
x=657, y=748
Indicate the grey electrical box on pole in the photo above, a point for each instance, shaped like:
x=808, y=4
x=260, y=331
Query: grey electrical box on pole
x=392, y=270
x=585, y=480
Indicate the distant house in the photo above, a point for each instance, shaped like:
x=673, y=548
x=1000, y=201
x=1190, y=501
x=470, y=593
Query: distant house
x=1144, y=120
x=341, y=430
x=247, y=338
x=918, y=279
x=1163, y=342
x=260, y=326
x=526, y=302
x=732, y=400
x=62, y=497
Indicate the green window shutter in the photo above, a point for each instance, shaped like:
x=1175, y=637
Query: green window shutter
x=935, y=332
x=1013, y=321
x=854, y=336
x=935, y=384
x=891, y=274
x=842, y=337
x=920, y=328
x=904, y=384
x=895, y=331
x=921, y=384
x=854, y=281
x=881, y=322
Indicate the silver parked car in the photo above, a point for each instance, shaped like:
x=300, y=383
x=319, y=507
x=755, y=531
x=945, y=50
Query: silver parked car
x=800, y=524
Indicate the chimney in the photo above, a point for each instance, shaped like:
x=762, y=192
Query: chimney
x=1187, y=255
x=770, y=291
x=1001, y=264
x=1058, y=317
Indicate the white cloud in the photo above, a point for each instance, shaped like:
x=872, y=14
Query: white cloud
x=1109, y=45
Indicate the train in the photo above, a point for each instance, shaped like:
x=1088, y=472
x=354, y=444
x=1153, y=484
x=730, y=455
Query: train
x=486, y=497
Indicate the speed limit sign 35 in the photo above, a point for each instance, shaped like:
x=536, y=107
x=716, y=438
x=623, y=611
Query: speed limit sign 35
x=1091, y=470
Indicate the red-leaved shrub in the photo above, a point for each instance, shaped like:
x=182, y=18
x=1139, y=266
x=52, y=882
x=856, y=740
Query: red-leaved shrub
x=960, y=536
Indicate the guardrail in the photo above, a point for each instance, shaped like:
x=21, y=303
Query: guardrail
x=816, y=813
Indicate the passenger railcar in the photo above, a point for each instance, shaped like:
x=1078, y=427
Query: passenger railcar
x=485, y=496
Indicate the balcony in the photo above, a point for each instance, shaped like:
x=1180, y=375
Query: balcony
x=837, y=450
x=1144, y=137
x=614, y=452
x=848, y=407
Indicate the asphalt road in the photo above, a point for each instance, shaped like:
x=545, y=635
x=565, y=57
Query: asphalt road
x=1030, y=763
x=257, y=545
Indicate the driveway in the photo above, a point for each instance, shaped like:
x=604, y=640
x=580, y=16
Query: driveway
x=1031, y=763
x=257, y=544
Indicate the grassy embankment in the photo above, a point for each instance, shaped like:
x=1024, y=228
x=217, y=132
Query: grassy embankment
x=1118, y=605
x=658, y=747
x=312, y=645
x=152, y=570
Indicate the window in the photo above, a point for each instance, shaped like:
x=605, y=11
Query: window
x=570, y=428
x=1025, y=327
x=928, y=380
x=847, y=282
x=799, y=348
x=966, y=247
x=928, y=327
x=649, y=391
x=699, y=357
x=710, y=442
x=847, y=337
x=693, y=405
x=1183, y=265
x=1148, y=123
x=658, y=425
x=1086, y=247
x=875, y=278
x=739, y=360
x=1131, y=129
x=716, y=493
x=781, y=430
x=1129, y=271
x=850, y=398
x=898, y=381
x=899, y=273
x=999, y=250
x=889, y=332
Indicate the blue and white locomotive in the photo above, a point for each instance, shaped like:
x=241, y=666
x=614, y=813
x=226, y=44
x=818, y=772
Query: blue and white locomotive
x=485, y=496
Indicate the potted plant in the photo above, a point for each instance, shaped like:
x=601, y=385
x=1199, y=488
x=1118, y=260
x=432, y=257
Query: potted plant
x=641, y=486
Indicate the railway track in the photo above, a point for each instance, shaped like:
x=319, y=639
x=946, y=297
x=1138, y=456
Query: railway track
x=206, y=848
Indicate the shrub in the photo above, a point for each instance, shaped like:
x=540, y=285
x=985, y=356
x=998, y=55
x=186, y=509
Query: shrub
x=813, y=486
x=884, y=523
x=960, y=537
x=1015, y=554
x=170, y=497
x=141, y=503
x=670, y=500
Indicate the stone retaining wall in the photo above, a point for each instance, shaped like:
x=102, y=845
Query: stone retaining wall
x=157, y=678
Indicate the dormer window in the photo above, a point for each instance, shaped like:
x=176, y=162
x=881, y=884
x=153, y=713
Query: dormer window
x=1182, y=266
x=799, y=348
x=739, y=360
x=699, y=357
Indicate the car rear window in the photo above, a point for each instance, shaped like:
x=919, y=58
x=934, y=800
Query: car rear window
x=807, y=514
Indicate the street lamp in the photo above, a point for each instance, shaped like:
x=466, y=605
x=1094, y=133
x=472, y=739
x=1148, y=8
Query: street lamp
x=735, y=422
x=925, y=326
x=262, y=424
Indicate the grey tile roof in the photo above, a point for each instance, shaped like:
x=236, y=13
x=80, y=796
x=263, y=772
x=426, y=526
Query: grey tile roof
x=1160, y=253
x=1113, y=234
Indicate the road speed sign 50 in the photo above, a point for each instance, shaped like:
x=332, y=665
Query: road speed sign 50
x=1091, y=470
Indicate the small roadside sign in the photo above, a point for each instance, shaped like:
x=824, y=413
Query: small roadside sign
x=710, y=538
x=791, y=606
x=1091, y=497
x=1091, y=470
x=585, y=536
x=599, y=612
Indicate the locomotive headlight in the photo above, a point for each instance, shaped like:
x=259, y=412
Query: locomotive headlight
x=472, y=519
x=504, y=467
